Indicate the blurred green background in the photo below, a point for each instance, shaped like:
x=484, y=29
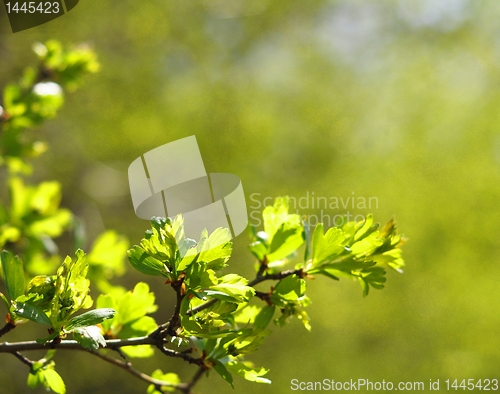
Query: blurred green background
x=399, y=100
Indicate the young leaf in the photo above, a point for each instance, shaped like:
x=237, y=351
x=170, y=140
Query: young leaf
x=214, y=250
x=264, y=317
x=89, y=318
x=235, y=287
x=31, y=312
x=145, y=263
x=287, y=239
x=248, y=371
x=222, y=371
x=171, y=380
x=327, y=246
x=14, y=275
x=72, y=288
x=131, y=309
x=289, y=289
x=54, y=381
x=89, y=337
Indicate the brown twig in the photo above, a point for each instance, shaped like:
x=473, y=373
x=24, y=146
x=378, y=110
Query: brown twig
x=186, y=387
x=7, y=347
x=127, y=366
x=23, y=359
x=276, y=276
x=7, y=328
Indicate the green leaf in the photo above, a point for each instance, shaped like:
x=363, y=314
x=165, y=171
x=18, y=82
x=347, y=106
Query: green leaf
x=72, y=288
x=326, y=246
x=264, y=317
x=31, y=312
x=287, y=239
x=131, y=309
x=258, y=249
x=109, y=251
x=160, y=242
x=43, y=372
x=5, y=300
x=9, y=233
x=89, y=337
x=11, y=93
x=214, y=250
x=54, y=381
x=246, y=341
x=170, y=379
x=234, y=286
x=41, y=291
x=374, y=277
x=145, y=263
x=199, y=277
x=138, y=328
x=138, y=351
x=135, y=304
x=89, y=318
x=52, y=225
x=14, y=275
x=275, y=216
x=34, y=380
x=248, y=371
x=367, y=245
x=365, y=228
x=222, y=371
x=247, y=314
x=290, y=288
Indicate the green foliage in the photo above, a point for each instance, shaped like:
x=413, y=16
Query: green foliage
x=224, y=315
x=14, y=275
x=170, y=379
x=131, y=318
x=38, y=96
x=42, y=372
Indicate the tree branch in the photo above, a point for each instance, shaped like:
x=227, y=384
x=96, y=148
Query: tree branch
x=183, y=355
x=199, y=308
x=127, y=366
x=113, y=344
x=175, y=321
x=186, y=387
x=7, y=347
x=277, y=276
x=8, y=327
x=23, y=359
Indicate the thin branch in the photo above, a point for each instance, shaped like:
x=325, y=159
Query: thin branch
x=127, y=366
x=7, y=328
x=277, y=276
x=7, y=347
x=183, y=355
x=201, y=307
x=263, y=267
x=175, y=321
x=23, y=359
x=186, y=387
x=158, y=333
